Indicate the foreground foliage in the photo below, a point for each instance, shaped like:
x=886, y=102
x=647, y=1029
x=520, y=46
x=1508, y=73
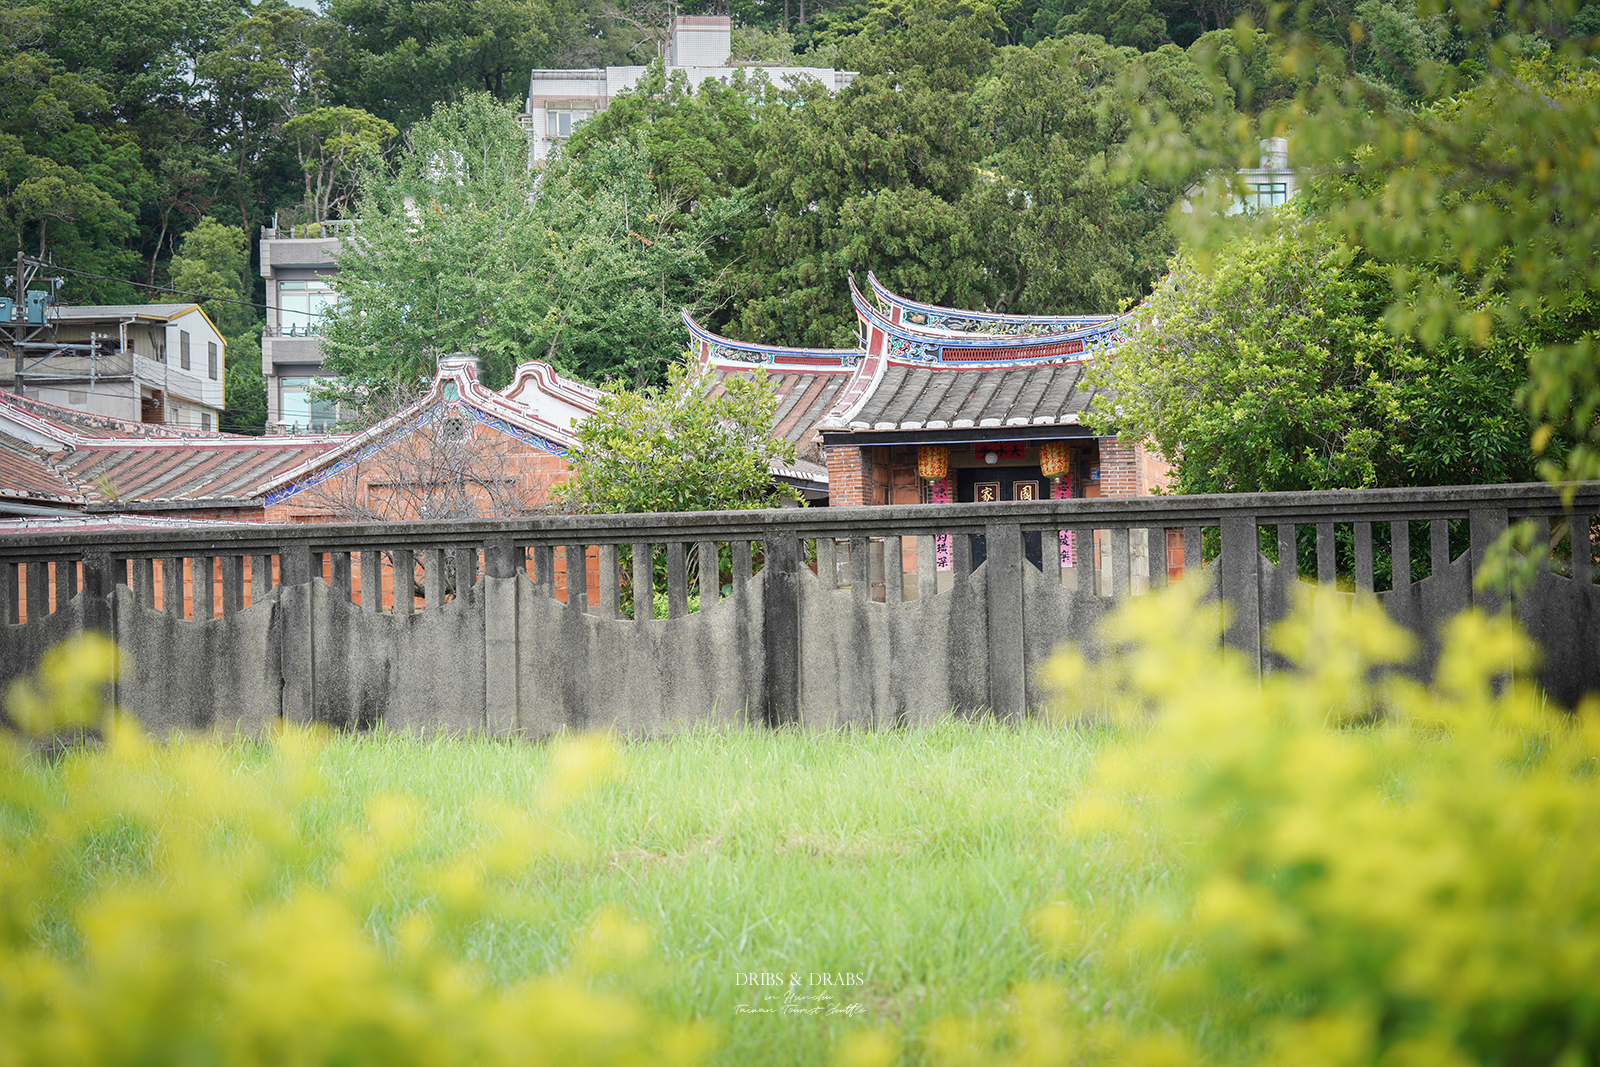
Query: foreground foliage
x=1369, y=873
x=1314, y=869
x=167, y=905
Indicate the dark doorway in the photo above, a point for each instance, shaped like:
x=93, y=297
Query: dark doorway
x=971, y=481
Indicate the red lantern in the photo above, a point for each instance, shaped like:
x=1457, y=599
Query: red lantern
x=933, y=462
x=1053, y=459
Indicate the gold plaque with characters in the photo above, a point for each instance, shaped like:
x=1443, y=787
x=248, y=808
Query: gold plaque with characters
x=1024, y=490
x=986, y=492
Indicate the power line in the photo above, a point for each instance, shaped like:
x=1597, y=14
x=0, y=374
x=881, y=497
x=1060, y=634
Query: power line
x=181, y=292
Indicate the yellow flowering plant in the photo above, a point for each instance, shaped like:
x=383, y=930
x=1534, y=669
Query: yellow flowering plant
x=1363, y=869
x=161, y=903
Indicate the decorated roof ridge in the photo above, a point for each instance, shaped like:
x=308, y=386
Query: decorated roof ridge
x=914, y=313
x=715, y=347
x=455, y=382
x=879, y=334
x=537, y=371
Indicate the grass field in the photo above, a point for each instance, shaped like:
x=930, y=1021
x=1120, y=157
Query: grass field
x=906, y=863
x=903, y=866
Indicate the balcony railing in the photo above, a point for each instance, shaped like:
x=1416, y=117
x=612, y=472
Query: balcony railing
x=311, y=231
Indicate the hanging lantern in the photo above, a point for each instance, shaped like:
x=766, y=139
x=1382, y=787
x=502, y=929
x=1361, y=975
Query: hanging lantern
x=1053, y=459
x=933, y=462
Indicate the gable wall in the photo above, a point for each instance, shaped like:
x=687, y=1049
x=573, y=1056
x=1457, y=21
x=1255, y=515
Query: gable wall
x=386, y=483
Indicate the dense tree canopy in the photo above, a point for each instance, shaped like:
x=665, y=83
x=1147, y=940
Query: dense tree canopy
x=1021, y=156
x=1273, y=370
x=463, y=248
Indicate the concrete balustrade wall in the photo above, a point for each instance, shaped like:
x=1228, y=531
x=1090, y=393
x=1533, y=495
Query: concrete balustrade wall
x=866, y=617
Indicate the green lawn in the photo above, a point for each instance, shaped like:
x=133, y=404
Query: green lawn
x=908, y=863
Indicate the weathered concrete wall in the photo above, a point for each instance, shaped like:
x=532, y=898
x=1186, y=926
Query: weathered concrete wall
x=852, y=640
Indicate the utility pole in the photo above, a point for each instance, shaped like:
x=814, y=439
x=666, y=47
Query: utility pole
x=23, y=323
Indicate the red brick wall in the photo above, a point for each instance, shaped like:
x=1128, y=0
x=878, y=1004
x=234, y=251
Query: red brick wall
x=1121, y=469
x=845, y=483
x=533, y=470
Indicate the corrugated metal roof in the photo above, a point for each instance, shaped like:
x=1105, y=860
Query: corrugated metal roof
x=121, y=311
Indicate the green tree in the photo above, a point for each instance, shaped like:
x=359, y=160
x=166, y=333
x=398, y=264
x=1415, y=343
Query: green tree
x=1480, y=186
x=67, y=189
x=1273, y=370
x=873, y=178
x=401, y=57
x=214, y=260
x=466, y=249
x=333, y=144
x=1066, y=230
x=265, y=70
x=674, y=448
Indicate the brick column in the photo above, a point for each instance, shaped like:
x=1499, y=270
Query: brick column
x=1121, y=469
x=846, y=482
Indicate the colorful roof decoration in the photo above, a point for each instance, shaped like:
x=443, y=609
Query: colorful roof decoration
x=932, y=318
x=808, y=382
x=707, y=345
x=880, y=336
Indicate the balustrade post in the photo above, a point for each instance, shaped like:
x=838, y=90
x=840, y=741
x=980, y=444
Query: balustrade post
x=894, y=572
x=172, y=586
x=503, y=564
x=780, y=629
x=66, y=581
x=609, y=592
x=299, y=700
x=1485, y=525
x=1008, y=680
x=1241, y=585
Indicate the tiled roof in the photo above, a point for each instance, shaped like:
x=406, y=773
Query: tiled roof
x=918, y=396
x=65, y=424
x=232, y=470
x=25, y=475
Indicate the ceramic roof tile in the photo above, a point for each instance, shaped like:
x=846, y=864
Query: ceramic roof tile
x=923, y=394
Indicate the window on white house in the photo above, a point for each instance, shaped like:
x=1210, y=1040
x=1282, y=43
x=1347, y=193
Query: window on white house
x=300, y=307
x=211, y=359
x=205, y=420
x=562, y=123
x=183, y=349
x=1266, y=194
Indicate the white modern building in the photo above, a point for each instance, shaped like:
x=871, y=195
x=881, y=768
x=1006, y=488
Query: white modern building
x=298, y=264
x=1270, y=184
x=150, y=363
x=699, y=45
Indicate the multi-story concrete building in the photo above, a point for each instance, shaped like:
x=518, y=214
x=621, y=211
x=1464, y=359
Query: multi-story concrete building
x=298, y=264
x=141, y=363
x=699, y=45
